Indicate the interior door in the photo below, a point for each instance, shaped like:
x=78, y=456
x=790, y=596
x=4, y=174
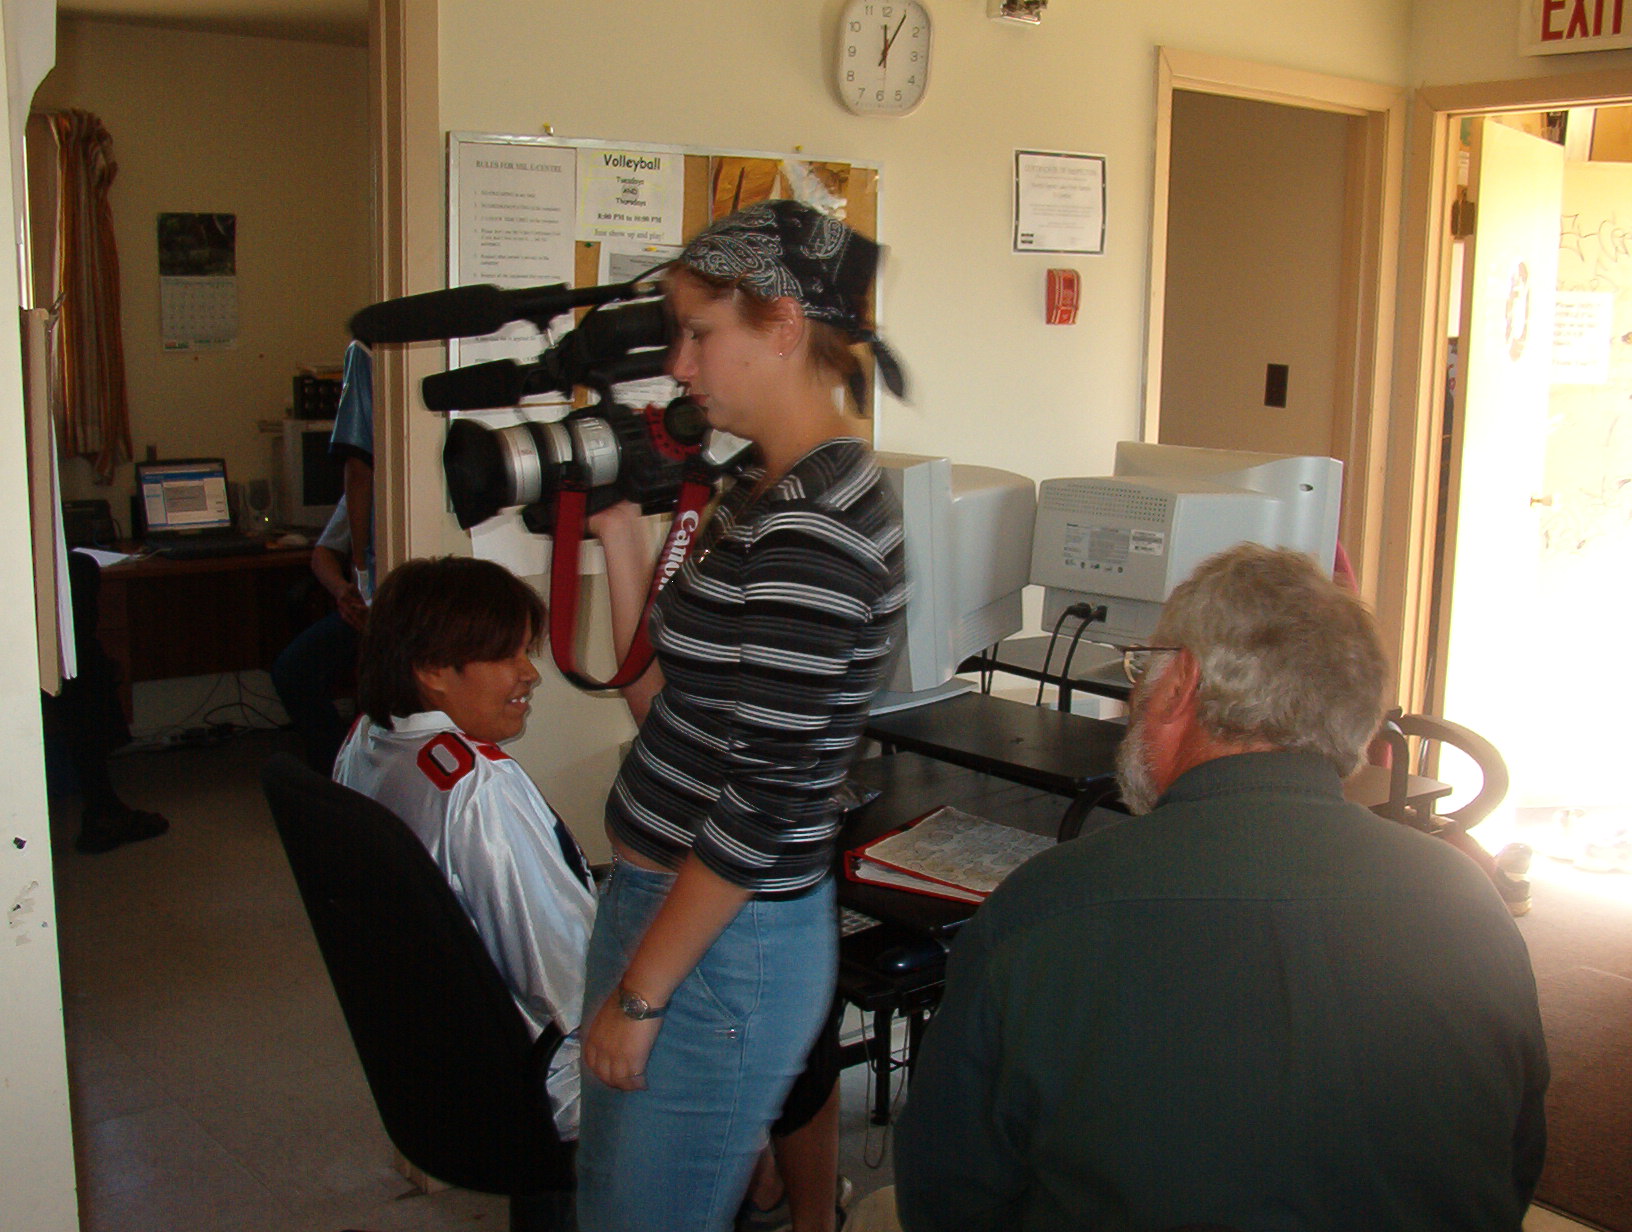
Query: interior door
x=1488, y=588
x=1586, y=530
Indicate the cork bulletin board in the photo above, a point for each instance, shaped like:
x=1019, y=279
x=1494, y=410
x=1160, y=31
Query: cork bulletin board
x=530, y=211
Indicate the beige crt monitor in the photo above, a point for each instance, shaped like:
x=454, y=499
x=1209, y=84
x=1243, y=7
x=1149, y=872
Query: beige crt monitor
x=966, y=534
x=1126, y=540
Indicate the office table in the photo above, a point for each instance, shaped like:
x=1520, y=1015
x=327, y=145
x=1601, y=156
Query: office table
x=1055, y=751
x=160, y=618
x=978, y=753
x=910, y=785
x=1094, y=668
x=1369, y=786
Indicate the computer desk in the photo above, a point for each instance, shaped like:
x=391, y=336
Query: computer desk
x=1095, y=668
x=160, y=618
x=989, y=756
x=910, y=785
x=1068, y=755
x=978, y=753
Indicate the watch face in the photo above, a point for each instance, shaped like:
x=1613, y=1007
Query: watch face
x=883, y=62
x=637, y=1007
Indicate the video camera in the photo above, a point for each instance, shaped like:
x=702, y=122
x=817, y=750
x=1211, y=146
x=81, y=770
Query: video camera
x=617, y=452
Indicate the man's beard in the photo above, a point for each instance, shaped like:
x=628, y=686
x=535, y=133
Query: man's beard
x=1133, y=774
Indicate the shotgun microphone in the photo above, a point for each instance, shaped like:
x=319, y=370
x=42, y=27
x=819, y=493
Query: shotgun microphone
x=480, y=387
x=465, y=312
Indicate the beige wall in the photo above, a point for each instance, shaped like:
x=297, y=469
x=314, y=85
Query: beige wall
x=1254, y=258
x=1454, y=41
x=991, y=382
x=270, y=130
x=36, y=1152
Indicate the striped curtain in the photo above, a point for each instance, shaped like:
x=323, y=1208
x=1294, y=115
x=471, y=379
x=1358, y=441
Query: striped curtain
x=90, y=355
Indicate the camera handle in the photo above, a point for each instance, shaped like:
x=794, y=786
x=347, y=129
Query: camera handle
x=696, y=487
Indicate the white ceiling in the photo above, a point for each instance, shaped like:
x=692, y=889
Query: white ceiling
x=325, y=21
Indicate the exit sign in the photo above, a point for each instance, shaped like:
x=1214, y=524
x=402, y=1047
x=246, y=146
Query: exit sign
x=1551, y=27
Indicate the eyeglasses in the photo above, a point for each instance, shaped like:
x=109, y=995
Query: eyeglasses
x=1137, y=660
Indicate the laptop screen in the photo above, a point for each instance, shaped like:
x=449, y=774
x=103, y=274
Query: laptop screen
x=190, y=494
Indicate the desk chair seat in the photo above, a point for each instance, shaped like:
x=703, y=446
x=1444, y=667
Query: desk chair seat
x=458, y=1081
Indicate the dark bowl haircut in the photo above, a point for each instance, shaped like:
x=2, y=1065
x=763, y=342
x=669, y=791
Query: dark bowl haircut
x=442, y=612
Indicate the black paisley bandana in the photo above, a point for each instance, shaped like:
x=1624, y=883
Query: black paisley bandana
x=783, y=248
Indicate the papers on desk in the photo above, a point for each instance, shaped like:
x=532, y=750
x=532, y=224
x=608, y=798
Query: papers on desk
x=947, y=853
x=105, y=558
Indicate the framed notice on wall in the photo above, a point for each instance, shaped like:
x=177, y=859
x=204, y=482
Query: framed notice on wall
x=1059, y=202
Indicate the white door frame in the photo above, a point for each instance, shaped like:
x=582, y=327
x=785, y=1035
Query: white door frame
x=1406, y=595
x=404, y=71
x=1376, y=162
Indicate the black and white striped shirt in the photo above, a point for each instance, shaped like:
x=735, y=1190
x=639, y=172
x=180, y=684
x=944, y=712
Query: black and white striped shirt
x=773, y=639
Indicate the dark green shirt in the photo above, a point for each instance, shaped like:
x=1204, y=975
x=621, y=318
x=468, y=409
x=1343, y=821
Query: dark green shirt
x=1258, y=1006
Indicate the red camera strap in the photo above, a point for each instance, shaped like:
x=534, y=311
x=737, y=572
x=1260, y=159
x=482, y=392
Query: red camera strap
x=571, y=503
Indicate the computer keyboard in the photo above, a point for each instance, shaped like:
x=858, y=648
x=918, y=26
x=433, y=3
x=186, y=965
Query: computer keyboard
x=205, y=548
x=852, y=921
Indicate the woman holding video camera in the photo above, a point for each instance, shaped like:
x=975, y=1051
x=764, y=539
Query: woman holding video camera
x=713, y=960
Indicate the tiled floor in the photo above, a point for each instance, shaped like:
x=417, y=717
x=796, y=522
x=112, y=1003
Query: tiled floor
x=213, y=1083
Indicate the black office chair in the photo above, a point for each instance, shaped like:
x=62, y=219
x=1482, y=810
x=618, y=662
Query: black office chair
x=458, y=1082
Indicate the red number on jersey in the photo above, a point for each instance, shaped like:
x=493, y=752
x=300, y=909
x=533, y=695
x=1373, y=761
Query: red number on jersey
x=445, y=760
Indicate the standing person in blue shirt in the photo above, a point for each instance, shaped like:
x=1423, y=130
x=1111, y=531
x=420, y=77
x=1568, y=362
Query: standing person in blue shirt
x=353, y=443
x=321, y=657
x=713, y=959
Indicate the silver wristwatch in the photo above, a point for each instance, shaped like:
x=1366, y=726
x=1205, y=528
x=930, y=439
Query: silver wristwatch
x=637, y=1007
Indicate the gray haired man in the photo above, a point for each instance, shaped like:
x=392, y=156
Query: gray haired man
x=1254, y=1006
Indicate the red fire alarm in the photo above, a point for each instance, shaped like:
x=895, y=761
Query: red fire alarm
x=1064, y=291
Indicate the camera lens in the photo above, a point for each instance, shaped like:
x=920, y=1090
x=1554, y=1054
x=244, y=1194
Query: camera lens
x=597, y=449
x=492, y=469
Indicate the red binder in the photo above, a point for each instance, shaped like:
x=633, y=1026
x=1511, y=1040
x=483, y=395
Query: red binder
x=962, y=857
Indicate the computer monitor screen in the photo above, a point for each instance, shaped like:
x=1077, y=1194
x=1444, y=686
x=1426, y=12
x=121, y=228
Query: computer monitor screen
x=967, y=535
x=1127, y=539
x=310, y=479
x=186, y=494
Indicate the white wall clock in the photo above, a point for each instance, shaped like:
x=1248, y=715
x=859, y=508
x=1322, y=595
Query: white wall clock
x=883, y=63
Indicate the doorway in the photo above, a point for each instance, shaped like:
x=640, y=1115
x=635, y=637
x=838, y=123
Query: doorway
x=1255, y=216
x=1369, y=122
x=1533, y=524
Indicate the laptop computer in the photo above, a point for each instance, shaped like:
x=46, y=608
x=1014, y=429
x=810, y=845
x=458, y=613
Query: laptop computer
x=186, y=510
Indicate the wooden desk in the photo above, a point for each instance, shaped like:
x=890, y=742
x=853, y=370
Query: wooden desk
x=161, y=618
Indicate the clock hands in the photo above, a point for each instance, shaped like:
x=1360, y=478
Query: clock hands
x=889, y=39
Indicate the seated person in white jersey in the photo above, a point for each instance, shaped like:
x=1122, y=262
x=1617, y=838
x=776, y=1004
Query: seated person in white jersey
x=443, y=679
